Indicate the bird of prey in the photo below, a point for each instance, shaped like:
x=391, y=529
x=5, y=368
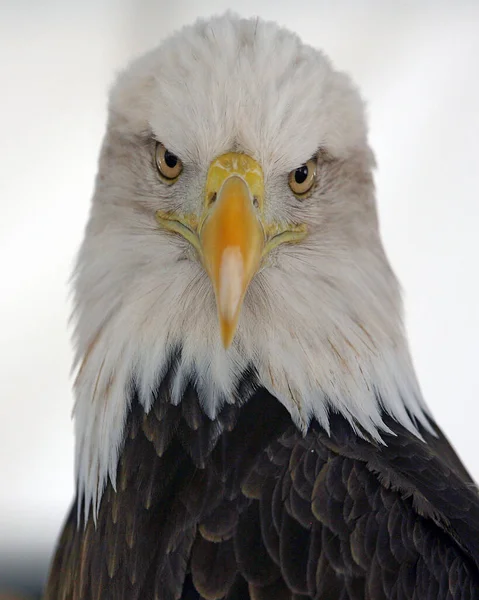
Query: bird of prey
x=248, y=420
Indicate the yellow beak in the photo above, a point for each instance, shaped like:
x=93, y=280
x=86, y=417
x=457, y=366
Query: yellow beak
x=232, y=241
x=231, y=236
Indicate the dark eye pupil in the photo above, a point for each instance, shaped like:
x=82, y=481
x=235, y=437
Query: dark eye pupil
x=301, y=174
x=170, y=159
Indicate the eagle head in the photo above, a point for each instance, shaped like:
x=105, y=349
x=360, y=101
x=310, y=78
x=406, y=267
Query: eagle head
x=233, y=230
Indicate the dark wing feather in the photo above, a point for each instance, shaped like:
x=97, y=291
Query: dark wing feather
x=430, y=472
x=244, y=506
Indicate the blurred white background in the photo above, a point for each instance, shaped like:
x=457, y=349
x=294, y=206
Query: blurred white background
x=417, y=64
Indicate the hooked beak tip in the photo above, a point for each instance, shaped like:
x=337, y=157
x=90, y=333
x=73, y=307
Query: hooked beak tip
x=231, y=289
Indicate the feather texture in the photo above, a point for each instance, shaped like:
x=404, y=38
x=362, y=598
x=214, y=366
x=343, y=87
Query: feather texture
x=245, y=506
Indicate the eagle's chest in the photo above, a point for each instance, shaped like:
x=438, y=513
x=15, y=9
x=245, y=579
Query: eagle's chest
x=245, y=507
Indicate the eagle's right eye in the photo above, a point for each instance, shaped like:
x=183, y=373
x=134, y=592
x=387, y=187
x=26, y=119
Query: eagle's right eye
x=168, y=164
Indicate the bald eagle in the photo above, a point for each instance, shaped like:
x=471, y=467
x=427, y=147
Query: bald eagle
x=248, y=420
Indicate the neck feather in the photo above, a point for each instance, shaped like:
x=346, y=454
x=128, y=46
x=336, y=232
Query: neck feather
x=352, y=376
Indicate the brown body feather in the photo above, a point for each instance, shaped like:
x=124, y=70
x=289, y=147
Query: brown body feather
x=247, y=507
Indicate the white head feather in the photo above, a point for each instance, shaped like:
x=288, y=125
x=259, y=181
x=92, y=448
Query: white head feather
x=322, y=323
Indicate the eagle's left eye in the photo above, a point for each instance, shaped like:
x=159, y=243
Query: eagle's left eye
x=302, y=179
x=168, y=164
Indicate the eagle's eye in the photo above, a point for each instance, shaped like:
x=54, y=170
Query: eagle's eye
x=302, y=179
x=169, y=166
